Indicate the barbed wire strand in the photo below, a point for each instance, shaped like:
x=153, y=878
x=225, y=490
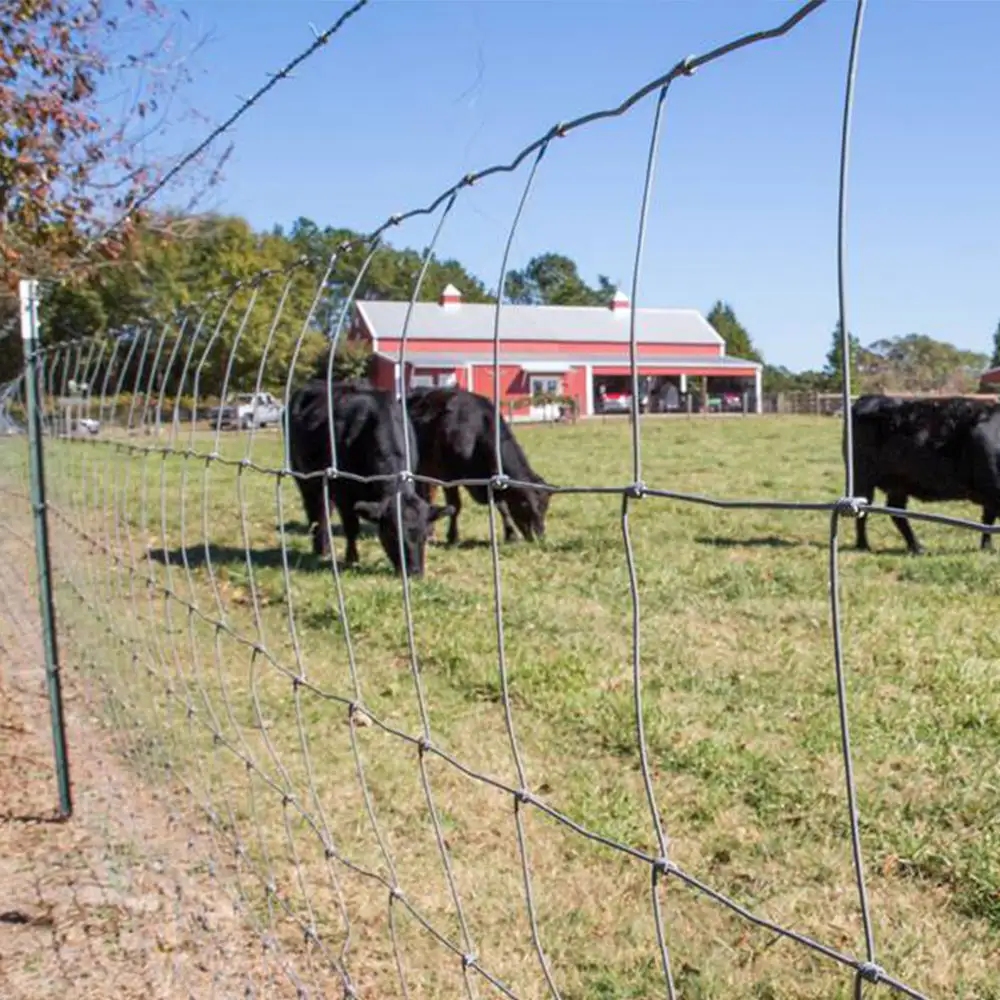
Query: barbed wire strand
x=320, y=39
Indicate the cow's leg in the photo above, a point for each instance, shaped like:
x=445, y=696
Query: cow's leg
x=898, y=500
x=861, y=523
x=352, y=528
x=509, y=531
x=989, y=518
x=312, y=501
x=426, y=493
x=453, y=497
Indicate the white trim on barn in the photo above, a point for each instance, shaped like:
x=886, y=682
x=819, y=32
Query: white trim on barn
x=546, y=367
x=589, y=390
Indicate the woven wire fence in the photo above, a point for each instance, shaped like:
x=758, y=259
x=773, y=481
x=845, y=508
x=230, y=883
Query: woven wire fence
x=215, y=665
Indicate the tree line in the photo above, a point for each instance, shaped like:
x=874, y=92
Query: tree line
x=172, y=271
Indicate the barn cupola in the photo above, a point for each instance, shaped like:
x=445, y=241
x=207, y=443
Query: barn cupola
x=451, y=297
x=619, y=302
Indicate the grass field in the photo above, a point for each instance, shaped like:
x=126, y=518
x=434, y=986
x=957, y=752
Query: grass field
x=740, y=715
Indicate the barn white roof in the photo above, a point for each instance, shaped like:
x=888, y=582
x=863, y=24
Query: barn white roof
x=571, y=324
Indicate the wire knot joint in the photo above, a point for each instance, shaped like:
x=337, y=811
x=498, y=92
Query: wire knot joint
x=851, y=506
x=637, y=490
x=871, y=972
x=500, y=481
x=664, y=866
x=468, y=959
x=687, y=66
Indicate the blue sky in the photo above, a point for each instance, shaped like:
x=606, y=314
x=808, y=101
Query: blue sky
x=414, y=93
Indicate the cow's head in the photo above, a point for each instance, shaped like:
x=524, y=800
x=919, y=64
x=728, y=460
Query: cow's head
x=418, y=516
x=528, y=508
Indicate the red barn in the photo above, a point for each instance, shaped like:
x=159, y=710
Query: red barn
x=577, y=351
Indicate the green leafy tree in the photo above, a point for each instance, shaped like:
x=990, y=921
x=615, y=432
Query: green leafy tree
x=919, y=363
x=833, y=369
x=553, y=279
x=351, y=360
x=995, y=357
x=733, y=332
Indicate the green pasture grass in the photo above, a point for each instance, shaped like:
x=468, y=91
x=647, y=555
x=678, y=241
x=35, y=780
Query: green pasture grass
x=739, y=700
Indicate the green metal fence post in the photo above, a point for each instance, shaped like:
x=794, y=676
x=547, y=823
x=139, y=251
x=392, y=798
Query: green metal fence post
x=29, y=334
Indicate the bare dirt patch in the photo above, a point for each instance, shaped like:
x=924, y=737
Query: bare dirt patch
x=116, y=901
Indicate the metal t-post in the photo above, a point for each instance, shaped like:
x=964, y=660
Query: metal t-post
x=29, y=334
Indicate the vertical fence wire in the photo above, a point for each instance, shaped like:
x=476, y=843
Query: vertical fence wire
x=499, y=481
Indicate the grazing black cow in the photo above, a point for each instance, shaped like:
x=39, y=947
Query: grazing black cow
x=456, y=440
x=929, y=449
x=368, y=435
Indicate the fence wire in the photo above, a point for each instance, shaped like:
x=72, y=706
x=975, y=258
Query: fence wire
x=182, y=618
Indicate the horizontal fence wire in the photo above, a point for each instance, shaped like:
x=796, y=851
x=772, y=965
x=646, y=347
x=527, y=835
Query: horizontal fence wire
x=118, y=502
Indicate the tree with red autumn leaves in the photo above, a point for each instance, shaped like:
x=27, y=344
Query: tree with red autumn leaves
x=90, y=92
x=70, y=158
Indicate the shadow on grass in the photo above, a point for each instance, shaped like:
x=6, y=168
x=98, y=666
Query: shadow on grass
x=264, y=558
x=764, y=541
x=847, y=548
x=519, y=544
x=301, y=528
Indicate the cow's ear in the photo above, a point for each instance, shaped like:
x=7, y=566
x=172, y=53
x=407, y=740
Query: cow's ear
x=435, y=512
x=371, y=510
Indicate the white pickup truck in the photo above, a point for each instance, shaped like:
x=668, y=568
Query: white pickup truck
x=246, y=410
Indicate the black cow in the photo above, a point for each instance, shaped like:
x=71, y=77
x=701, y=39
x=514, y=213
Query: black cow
x=456, y=440
x=929, y=449
x=368, y=435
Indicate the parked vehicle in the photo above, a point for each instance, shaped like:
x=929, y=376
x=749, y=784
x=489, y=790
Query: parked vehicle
x=620, y=402
x=247, y=409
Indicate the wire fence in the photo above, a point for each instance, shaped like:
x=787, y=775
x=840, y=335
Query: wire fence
x=211, y=651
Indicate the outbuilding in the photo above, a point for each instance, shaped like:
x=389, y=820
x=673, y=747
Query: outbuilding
x=570, y=351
